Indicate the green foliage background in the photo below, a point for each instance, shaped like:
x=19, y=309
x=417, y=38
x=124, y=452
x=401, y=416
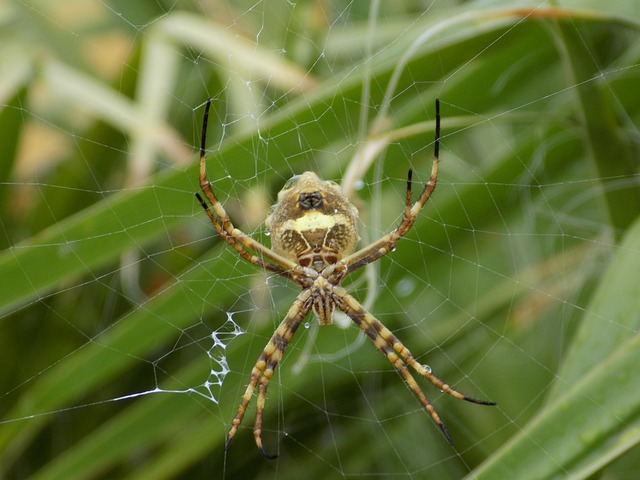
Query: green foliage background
x=519, y=283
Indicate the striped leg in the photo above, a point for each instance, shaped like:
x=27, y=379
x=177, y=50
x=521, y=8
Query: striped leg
x=398, y=355
x=265, y=368
x=387, y=244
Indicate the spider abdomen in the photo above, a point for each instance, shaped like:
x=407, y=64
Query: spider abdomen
x=313, y=223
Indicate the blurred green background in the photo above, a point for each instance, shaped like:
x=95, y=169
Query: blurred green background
x=518, y=283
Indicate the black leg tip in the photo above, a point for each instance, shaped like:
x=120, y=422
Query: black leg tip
x=267, y=455
x=445, y=432
x=480, y=402
x=227, y=442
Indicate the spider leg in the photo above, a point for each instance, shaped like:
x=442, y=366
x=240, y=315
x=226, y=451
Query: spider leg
x=239, y=240
x=259, y=262
x=398, y=355
x=386, y=244
x=265, y=368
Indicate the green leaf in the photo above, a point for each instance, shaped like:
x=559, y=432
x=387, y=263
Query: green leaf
x=488, y=287
x=595, y=414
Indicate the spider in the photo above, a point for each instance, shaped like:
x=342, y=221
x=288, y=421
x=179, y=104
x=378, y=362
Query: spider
x=314, y=233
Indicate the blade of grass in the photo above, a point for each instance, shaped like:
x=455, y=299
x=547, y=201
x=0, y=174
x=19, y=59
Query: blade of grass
x=598, y=417
x=613, y=156
x=133, y=217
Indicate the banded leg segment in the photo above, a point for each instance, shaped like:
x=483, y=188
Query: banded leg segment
x=259, y=262
x=386, y=244
x=265, y=368
x=239, y=240
x=398, y=355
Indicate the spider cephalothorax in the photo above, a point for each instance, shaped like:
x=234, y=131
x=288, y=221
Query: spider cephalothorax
x=314, y=232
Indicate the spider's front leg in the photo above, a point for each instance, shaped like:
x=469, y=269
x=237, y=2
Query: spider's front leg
x=398, y=355
x=266, y=365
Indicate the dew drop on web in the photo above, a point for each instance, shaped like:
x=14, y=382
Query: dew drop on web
x=405, y=287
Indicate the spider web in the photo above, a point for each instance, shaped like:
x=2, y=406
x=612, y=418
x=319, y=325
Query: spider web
x=128, y=329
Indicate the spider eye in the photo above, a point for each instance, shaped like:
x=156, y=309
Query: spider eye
x=310, y=201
